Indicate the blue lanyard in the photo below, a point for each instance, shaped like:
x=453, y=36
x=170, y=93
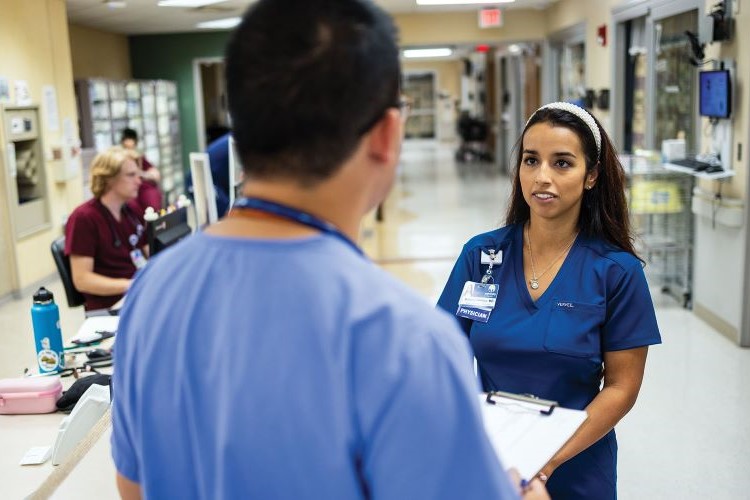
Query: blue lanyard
x=295, y=215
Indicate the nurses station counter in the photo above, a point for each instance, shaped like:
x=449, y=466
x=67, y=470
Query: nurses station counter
x=93, y=478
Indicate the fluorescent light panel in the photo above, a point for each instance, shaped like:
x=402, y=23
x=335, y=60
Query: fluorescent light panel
x=187, y=3
x=229, y=22
x=462, y=2
x=436, y=52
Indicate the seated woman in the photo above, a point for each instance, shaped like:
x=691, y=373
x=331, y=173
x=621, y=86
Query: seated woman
x=105, y=237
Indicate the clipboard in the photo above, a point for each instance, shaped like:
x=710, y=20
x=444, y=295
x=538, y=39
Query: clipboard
x=526, y=431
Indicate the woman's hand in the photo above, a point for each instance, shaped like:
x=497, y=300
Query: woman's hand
x=534, y=490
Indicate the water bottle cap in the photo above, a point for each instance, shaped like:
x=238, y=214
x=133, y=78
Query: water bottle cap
x=43, y=296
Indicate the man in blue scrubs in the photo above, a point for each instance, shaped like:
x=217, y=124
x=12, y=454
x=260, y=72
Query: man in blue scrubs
x=266, y=357
x=573, y=317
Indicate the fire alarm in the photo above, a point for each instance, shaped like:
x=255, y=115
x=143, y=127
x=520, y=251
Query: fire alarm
x=601, y=35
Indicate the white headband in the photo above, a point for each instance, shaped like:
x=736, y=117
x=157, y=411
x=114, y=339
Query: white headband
x=580, y=113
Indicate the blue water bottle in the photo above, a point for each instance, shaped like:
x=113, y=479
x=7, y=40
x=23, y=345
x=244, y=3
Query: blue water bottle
x=45, y=318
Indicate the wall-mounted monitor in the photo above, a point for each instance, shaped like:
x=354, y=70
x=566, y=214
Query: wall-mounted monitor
x=715, y=93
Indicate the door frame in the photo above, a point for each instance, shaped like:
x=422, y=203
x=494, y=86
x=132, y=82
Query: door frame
x=200, y=122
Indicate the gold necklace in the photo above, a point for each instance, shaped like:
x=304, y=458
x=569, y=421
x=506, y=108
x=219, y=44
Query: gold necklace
x=534, y=281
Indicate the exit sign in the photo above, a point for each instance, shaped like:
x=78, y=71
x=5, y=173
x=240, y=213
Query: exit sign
x=490, y=18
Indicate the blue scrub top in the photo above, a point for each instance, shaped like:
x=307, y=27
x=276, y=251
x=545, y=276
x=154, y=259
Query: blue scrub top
x=293, y=369
x=553, y=348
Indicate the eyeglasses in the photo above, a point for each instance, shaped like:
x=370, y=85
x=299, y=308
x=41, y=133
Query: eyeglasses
x=403, y=105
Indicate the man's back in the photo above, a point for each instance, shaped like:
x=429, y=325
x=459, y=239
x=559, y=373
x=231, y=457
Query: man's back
x=306, y=372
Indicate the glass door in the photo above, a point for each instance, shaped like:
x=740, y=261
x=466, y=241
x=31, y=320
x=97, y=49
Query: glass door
x=636, y=62
x=420, y=89
x=675, y=80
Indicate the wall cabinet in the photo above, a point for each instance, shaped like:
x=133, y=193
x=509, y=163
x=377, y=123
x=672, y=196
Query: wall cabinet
x=150, y=107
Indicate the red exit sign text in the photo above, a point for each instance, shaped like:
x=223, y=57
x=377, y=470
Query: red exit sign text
x=490, y=18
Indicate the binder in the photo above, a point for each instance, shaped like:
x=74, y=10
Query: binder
x=526, y=431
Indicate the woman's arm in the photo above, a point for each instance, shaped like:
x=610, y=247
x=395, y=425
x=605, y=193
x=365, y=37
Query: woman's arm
x=87, y=281
x=623, y=373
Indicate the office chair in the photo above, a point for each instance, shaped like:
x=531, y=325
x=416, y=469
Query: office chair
x=62, y=261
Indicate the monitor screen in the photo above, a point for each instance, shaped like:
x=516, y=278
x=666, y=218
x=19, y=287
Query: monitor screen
x=715, y=94
x=204, y=195
x=167, y=230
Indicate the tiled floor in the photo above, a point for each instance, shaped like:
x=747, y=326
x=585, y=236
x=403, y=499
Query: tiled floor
x=689, y=434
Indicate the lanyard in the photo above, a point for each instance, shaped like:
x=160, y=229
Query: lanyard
x=134, y=238
x=295, y=215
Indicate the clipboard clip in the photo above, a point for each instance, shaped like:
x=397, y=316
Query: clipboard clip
x=548, y=406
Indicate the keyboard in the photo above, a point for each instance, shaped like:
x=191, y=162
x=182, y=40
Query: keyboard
x=697, y=165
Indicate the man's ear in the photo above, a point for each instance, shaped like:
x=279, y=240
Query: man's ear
x=384, y=139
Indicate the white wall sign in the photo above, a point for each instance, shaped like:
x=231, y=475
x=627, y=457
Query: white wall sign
x=49, y=97
x=23, y=96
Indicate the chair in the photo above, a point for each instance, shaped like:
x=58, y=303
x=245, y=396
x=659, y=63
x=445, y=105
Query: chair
x=62, y=261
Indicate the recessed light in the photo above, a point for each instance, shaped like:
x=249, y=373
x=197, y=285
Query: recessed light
x=462, y=2
x=187, y=3
x=229, y=22
x=116, y=4
x=435, y=52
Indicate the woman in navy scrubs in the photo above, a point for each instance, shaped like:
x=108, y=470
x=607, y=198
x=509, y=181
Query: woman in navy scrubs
x=573, y=317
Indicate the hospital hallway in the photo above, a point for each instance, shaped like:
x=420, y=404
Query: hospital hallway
x=688, y=435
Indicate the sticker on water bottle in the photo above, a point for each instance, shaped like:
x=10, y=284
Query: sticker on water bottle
x=48, y=359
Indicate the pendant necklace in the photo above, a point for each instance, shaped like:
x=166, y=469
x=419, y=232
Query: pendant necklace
x=534, y=280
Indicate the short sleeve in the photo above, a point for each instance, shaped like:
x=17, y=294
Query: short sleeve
x=419, y=415
x=631, y=320
x=448, y=300
x=81, y=235
x=124, y=451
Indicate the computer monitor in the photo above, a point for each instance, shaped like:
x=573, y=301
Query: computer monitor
x=204, y=194
x=167, y=230
x=715, y=93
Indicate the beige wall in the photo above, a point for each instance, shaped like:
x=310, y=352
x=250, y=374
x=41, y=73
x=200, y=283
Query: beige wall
x=463, y=27
x=42, y=59
x=99, y=54
x=448, y=74
x=736, y=186
x=567, y=13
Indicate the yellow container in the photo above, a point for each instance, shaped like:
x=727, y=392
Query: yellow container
x=655, y=197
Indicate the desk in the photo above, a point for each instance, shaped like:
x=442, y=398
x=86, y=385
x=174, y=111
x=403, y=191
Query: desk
x=93, y=478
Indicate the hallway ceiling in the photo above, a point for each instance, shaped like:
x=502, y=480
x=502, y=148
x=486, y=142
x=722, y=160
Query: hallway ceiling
x=143, y=16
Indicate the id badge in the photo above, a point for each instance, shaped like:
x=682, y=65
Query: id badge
x=477, y=301
x=139, y=261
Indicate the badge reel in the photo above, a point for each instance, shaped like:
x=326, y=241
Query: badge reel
x=478, y=299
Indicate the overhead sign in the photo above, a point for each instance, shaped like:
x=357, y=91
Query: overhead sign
x=490, y=18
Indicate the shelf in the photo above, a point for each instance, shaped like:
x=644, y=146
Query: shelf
x=701, y=175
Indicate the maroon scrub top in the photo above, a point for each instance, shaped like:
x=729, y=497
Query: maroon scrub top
x=92, y=231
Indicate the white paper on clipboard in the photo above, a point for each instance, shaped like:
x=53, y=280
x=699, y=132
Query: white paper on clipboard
x=525, y=438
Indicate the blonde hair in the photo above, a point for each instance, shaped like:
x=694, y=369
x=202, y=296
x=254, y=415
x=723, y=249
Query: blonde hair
x=106, y=166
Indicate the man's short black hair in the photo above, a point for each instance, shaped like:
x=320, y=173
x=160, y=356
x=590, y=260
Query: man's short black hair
x=305, y=80
x=128, y=133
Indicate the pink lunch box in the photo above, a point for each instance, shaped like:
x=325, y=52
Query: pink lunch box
x=26, y=395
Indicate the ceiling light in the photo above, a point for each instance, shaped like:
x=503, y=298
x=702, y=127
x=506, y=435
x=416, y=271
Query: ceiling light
x=437, y=52
x=462, y=2
x=188, y=3
x=514, y=48
x=229, y=22
x=116, y=4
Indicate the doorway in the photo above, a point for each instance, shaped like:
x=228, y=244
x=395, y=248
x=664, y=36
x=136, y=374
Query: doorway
x=212, y=113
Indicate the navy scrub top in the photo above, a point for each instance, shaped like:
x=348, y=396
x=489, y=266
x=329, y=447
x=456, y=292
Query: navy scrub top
x=553, y=348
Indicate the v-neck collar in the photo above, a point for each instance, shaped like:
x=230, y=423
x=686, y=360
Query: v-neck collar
x=523, y=291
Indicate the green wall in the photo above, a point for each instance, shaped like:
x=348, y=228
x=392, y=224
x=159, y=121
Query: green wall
x=170, y=57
